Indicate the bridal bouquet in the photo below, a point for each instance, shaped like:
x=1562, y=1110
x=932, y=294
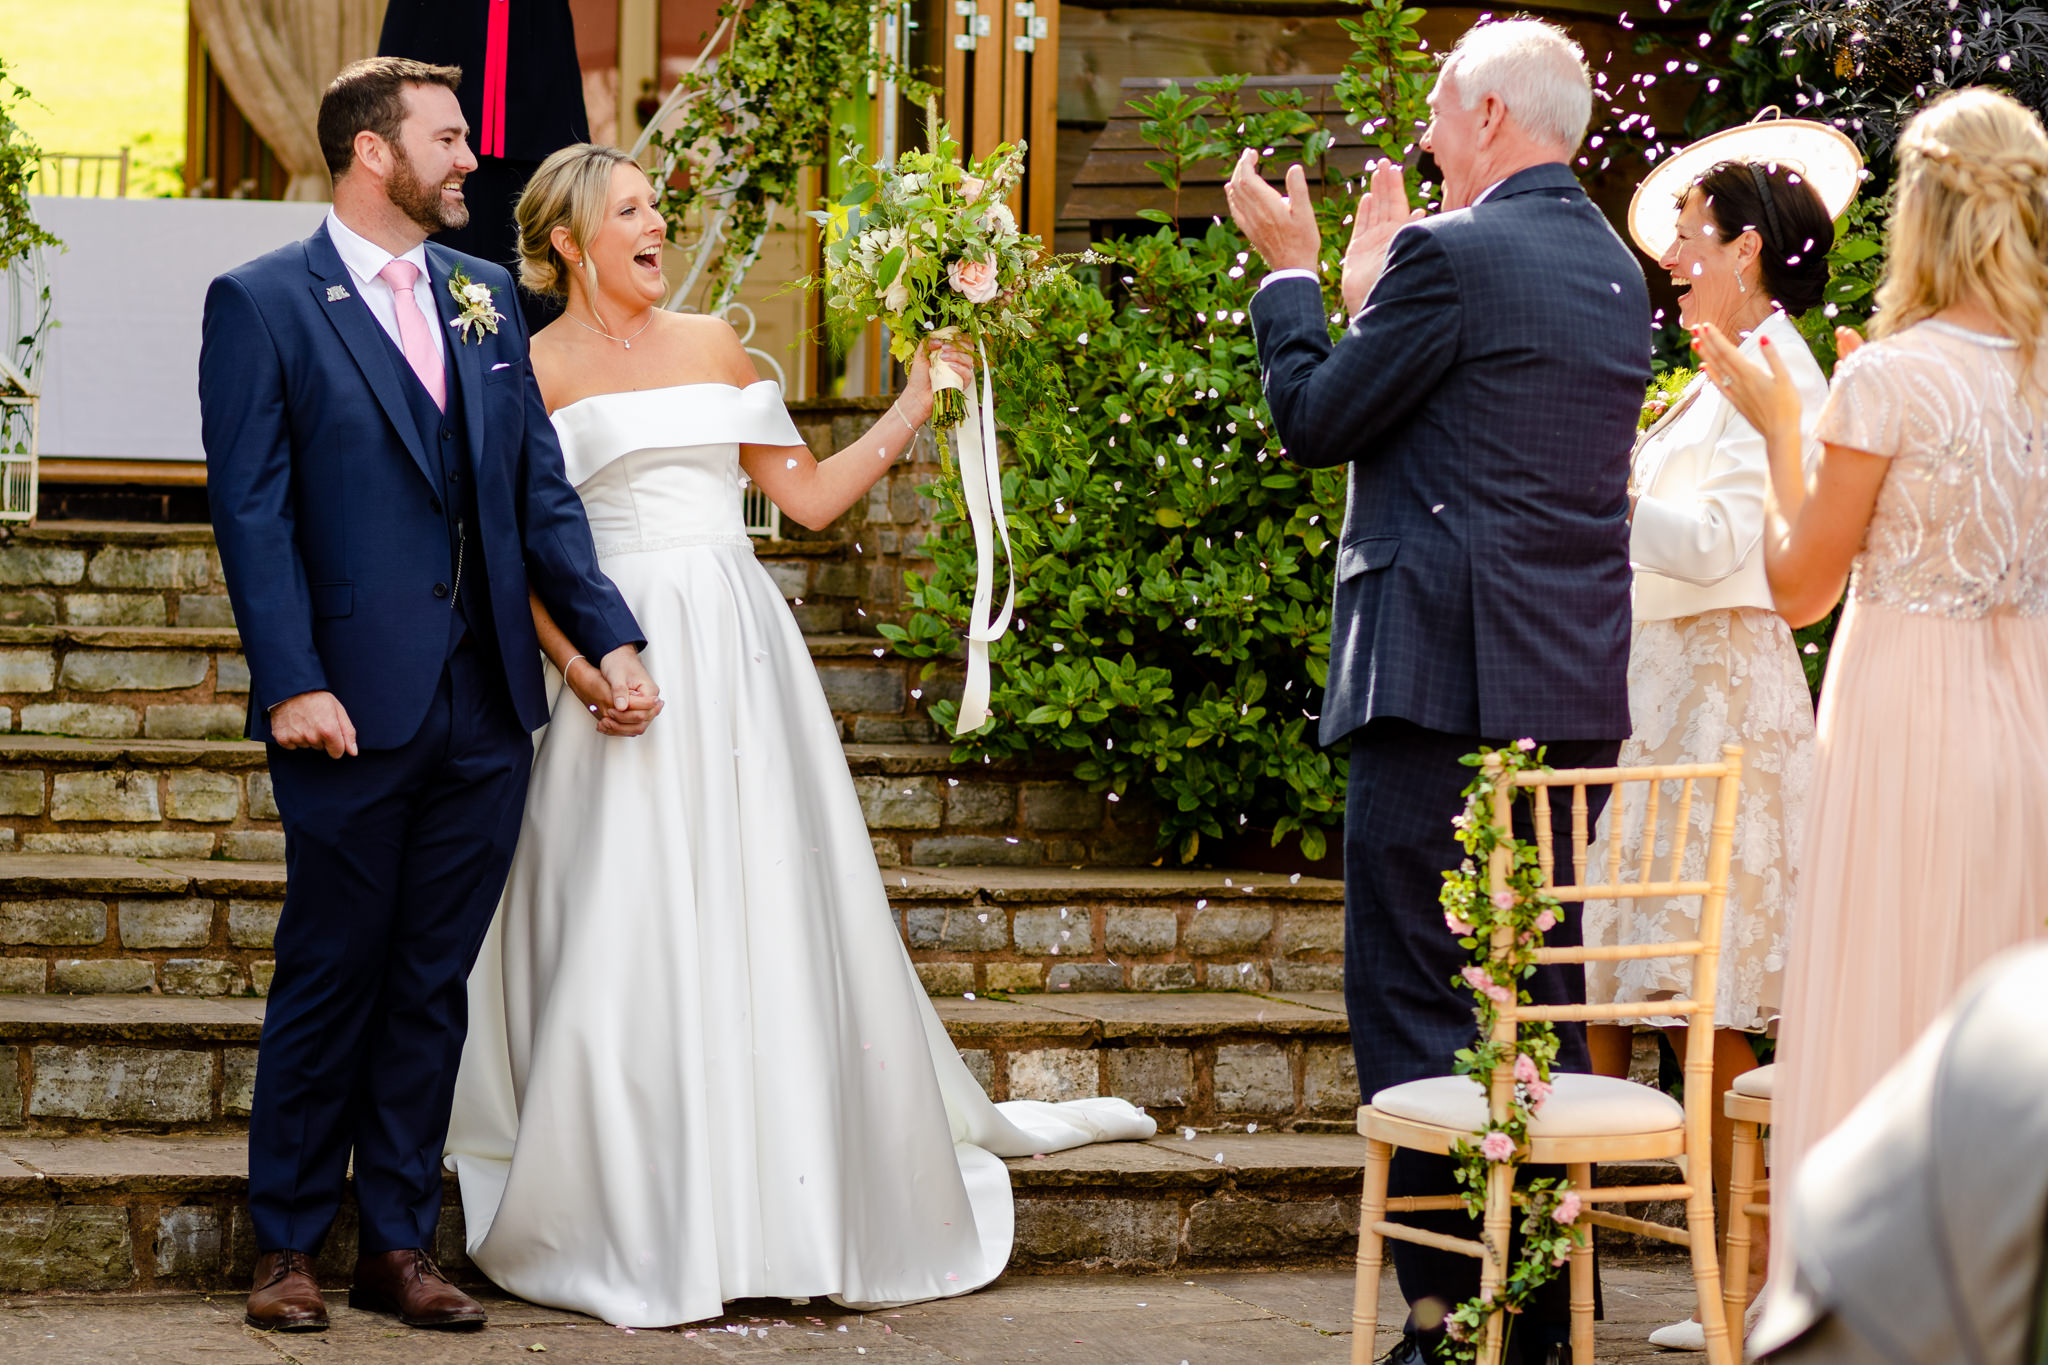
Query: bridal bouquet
x=929, y=248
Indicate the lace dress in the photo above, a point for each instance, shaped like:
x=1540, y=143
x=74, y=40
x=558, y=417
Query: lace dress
x=1711, y=663
x=1927, y=842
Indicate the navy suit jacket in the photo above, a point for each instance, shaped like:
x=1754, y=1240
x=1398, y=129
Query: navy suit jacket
x=1485, y=401
x=328, y=512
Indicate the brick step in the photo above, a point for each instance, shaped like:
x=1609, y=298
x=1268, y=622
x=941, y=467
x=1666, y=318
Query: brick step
x=79, y=924
x=154, y=1213
x=190, y=681
x=1198, y=1060
x=212, y=799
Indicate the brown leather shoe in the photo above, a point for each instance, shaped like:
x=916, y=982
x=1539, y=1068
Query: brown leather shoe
x=409, y=1284
x=285, y=1299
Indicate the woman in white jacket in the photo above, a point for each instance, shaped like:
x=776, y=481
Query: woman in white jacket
x=1710, y=660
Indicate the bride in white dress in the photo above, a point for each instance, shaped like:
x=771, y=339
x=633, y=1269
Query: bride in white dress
x=700, y=1066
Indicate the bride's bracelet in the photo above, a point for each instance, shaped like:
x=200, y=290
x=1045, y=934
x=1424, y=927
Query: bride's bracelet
x=571, y=664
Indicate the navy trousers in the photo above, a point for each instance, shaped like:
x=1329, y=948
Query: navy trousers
x=1408, y=1018
x=396, y=860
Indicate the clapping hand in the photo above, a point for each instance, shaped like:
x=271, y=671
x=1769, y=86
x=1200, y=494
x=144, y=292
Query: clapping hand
x=1382, y=212
x=1281, y=228
x=1769, y=401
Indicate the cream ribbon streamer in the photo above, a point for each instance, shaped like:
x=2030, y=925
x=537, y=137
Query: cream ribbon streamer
x=981, y=485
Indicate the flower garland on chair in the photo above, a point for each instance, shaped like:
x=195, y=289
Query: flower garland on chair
x=1475, y=911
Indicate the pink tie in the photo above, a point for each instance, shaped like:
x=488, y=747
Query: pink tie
x=413, y=337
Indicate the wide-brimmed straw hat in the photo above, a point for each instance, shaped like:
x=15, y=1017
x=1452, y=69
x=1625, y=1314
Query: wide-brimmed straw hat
x=1816, y=152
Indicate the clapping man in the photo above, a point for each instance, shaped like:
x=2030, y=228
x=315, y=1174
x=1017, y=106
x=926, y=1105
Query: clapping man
x=1483, y=399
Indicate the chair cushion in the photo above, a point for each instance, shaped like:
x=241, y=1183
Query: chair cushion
x=1579, y=1106
x=1756, y=1084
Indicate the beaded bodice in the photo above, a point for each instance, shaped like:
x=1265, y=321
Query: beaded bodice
x=1961, y=523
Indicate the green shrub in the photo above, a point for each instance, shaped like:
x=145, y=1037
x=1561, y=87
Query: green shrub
x=1174, y=570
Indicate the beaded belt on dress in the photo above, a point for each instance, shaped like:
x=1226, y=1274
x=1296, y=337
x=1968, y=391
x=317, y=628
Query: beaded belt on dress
x=628, y=545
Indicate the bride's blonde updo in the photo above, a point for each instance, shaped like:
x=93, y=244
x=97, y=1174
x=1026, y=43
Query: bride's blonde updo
x=1971, y=223
x=570, y=190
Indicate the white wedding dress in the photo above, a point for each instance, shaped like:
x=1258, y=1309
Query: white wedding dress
x=700, y=1066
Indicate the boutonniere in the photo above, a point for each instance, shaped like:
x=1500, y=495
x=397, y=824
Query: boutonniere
x=478, y=315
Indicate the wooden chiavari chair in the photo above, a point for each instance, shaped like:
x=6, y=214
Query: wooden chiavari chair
x=1587, y=1119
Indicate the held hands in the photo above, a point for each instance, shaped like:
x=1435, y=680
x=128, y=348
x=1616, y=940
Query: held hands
x=619, y=693
x=1382, y=212
x=313, y=720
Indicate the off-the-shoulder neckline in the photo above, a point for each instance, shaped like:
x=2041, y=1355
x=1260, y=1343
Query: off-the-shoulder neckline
x=663, y=388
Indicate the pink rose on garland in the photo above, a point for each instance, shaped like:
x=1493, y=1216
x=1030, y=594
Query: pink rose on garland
x=1567, y=1210
x=1525, y=1069
x=974, y=280
x=1456, y=925
x=1496, y=1146
x=1503, y=901
x=1546, y=921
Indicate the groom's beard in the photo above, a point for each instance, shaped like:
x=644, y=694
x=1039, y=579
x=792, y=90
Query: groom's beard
x=420, y=201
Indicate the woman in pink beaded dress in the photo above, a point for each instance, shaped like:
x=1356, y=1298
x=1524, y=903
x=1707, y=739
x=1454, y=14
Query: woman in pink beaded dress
x=1925, y=844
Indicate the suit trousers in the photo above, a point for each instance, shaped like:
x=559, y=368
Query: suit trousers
x=1409, y=1015
x=396, y=859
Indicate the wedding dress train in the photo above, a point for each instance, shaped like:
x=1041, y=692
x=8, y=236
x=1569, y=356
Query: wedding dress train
x=700, y=1066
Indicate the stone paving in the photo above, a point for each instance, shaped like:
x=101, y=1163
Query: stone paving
x=1207, y=1318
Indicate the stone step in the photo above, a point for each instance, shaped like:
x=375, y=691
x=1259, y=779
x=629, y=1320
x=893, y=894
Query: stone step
x=166, y=1064
x=128, y=1213
x=190, y=681
x=212, y=799
x=82, y=924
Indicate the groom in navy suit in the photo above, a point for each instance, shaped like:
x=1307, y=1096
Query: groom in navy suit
x=1483, y=399
x=385, y=489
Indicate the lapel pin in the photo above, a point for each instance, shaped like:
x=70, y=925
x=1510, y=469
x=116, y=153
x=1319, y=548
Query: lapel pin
x=336, y=293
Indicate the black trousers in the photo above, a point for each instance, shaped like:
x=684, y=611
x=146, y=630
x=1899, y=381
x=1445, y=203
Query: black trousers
x=396, y=859
x=1408, y=1017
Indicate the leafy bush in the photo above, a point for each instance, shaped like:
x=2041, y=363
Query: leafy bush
x=1175, y=571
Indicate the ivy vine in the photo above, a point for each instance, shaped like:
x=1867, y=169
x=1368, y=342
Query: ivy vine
x=1518, y=915
x=19, y=158
x=759, y=114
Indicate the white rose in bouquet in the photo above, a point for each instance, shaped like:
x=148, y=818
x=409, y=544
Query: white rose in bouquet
x=999, y=221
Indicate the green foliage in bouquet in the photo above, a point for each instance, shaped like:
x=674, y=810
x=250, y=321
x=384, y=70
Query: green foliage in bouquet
x=1175, y=571
x=930, y=248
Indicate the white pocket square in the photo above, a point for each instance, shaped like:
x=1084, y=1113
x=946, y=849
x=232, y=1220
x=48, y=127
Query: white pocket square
x=502, y=365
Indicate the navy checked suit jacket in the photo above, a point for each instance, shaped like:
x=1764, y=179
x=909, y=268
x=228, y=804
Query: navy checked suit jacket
x=1484, y=400
x=328, y=513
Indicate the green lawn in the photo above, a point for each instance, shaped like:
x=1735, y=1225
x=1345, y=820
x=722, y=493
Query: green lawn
x=103, y=74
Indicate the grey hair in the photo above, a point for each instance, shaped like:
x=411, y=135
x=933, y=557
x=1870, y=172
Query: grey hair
x=1535, y=69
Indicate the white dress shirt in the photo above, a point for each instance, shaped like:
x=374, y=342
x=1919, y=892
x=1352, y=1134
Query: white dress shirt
x=1697, y=536
x=364, y=258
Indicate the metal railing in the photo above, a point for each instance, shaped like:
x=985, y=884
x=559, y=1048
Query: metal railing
x=82, y=174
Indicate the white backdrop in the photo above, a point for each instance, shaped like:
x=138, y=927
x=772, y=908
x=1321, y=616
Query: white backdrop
x=120, y=378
